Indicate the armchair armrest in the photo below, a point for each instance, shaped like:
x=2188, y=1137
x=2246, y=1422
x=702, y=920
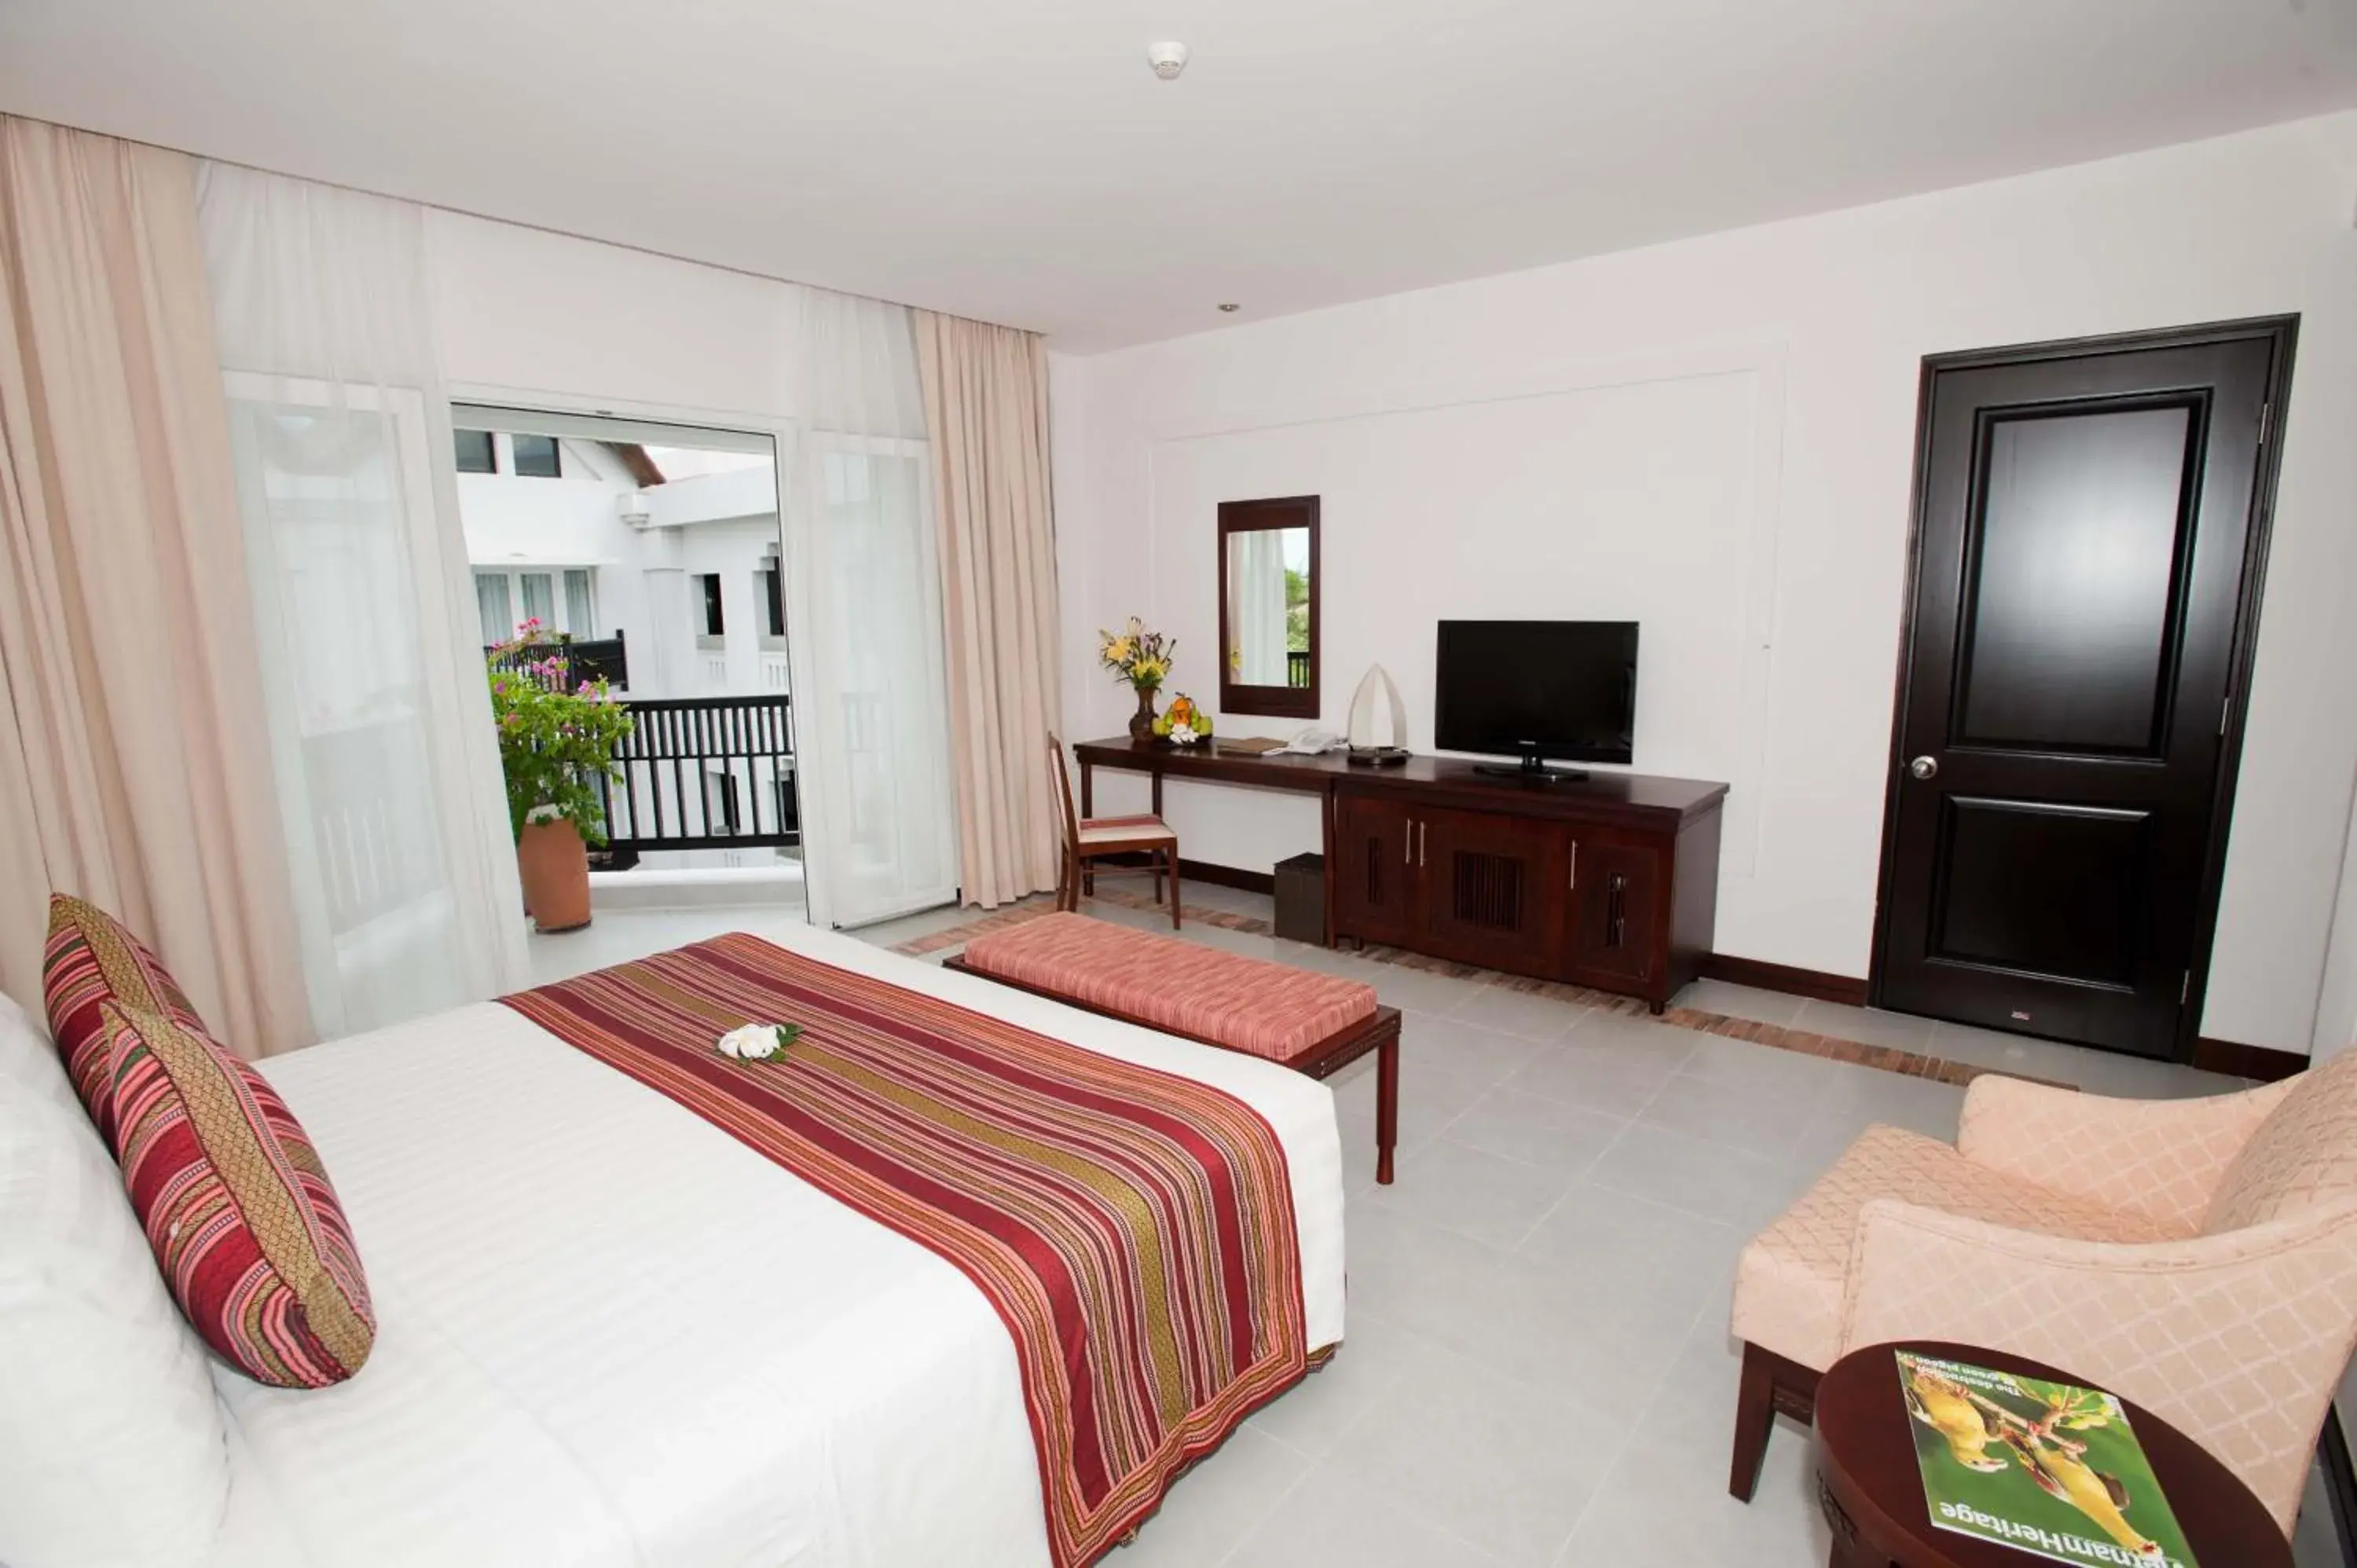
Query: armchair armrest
x=2161, y=1159
x=2237, y=1339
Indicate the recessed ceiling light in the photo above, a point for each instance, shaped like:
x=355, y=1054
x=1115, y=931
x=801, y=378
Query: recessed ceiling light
x=1167, y=58
x=1230, y=307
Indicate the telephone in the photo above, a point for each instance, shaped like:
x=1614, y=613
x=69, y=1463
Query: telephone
x=1313, y=741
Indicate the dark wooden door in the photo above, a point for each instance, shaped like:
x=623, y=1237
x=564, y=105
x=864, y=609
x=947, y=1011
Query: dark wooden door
x=1375, y=869
x=1618, y=898
x=1493, y=889
x=2089, y=533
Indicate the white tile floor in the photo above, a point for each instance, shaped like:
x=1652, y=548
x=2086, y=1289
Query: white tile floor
x=1538, y=1370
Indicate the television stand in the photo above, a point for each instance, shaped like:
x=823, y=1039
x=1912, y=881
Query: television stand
x=1610, y=882
x=1531, y=770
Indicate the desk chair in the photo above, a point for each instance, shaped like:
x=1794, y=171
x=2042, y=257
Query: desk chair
x=1089, y=839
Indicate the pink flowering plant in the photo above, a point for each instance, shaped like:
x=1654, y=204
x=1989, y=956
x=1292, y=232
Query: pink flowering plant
x=557, y=734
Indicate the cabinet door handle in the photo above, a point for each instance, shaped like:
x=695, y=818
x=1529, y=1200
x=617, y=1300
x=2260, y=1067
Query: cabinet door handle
x=1407, y=846
x=1419, y=843
x=1575, y=865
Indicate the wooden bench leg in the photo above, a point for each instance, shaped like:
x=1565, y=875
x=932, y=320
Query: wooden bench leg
x=1170, y=859
x=1387, y=1106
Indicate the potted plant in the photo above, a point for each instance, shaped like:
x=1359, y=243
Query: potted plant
x=1142, y=658
x=556, y=744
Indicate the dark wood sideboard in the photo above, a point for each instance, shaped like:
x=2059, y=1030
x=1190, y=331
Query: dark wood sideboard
x=1611, y=881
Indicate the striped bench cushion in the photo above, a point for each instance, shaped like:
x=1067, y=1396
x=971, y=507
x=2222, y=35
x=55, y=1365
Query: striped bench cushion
x=1244, y=1003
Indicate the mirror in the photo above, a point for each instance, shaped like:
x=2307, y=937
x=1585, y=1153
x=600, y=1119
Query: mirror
x=1268, y=607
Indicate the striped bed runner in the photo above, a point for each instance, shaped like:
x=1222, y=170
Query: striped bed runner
x=1134, y=1229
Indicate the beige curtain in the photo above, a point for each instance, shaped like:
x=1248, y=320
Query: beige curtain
x=135, y=764
x=987, y=410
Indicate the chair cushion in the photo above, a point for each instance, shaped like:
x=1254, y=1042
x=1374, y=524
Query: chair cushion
x=236, y=1207
x=93, y=960
x=2303, y=1156
x=1787, y=1283
x=1125, y=830
x=1247, y=1005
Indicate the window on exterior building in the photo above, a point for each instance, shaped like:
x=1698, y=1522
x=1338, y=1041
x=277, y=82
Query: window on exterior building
x=703, y=609
x=773, y=601
x=535, y=457
x=492, y=604
x=720, y=804
x=539, y=598
x=789, y=818
x=476, y=453
x=580, y=608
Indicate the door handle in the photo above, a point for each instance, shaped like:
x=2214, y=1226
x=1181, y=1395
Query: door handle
x=1407, y=846
x=1575, y=865
x=1924, y=767
x=1419, y=843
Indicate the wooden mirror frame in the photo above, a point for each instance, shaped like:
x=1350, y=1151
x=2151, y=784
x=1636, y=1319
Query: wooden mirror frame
x=1257, y=517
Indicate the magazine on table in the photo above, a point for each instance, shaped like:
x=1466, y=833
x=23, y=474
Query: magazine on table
x=2052, y=1469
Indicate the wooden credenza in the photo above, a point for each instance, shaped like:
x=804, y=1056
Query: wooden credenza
x=1611, y=881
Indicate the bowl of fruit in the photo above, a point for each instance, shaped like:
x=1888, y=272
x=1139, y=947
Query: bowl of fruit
x=1183, y=723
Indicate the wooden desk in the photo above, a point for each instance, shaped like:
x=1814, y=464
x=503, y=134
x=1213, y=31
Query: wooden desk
x=1609, y=881
x=1209, y=762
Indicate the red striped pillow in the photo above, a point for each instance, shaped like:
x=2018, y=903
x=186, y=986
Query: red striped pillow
x=91, y=960
x=251, y=1239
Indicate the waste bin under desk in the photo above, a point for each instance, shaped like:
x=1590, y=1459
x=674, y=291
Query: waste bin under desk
x=1301, y=900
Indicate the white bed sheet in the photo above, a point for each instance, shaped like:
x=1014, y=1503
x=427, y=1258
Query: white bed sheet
x=610, y=1333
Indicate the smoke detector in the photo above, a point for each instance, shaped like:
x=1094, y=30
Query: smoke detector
x=1167, y=58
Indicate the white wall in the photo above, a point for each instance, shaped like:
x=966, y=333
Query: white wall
x=1741, y=408
x=520, y=310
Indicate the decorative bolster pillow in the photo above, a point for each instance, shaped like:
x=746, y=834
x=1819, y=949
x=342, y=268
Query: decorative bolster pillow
x=251, y=1240
x=91, y=959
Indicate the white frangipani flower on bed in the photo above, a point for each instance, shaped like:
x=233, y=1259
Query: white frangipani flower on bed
x=757, y=1042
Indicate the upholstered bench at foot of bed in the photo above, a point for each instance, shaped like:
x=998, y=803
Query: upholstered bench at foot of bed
x=1314, y=1024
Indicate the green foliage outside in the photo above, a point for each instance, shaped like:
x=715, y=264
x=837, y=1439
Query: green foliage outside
x=556, y=736
x=1297, y=611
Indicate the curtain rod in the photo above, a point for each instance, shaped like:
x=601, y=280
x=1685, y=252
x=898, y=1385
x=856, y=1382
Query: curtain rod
x=513, y=222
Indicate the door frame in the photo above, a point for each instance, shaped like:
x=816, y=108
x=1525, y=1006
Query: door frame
x=2282, y=335
x=785, y=434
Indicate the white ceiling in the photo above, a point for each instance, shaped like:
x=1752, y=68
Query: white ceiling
x=1015, y=159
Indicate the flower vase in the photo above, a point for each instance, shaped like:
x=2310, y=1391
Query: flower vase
x=554, y=865
x=1141, y=723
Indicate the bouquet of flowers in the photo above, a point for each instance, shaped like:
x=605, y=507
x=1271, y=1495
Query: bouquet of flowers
x=1184, y=722
x=1138, y=656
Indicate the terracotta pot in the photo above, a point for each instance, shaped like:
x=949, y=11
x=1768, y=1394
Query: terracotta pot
x=554, y=867
x=1141, y=723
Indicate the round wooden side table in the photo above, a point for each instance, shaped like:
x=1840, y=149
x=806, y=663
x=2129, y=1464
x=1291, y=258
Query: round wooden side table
x=1872, y=1491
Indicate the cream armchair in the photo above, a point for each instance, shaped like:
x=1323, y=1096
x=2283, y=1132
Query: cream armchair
x=2197, y=1257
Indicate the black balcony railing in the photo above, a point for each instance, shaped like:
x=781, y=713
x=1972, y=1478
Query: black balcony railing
x=590, y=658
x=1297, y=669
x=705, y=773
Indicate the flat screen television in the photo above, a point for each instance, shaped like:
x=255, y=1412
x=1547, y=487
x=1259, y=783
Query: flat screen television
x=1536, y=690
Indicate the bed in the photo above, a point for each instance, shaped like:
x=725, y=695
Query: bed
x=578, y=1365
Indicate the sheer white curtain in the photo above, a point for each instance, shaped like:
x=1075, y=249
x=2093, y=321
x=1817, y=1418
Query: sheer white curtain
x=380, y=728
x=871, y=701
x=1256, y=606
